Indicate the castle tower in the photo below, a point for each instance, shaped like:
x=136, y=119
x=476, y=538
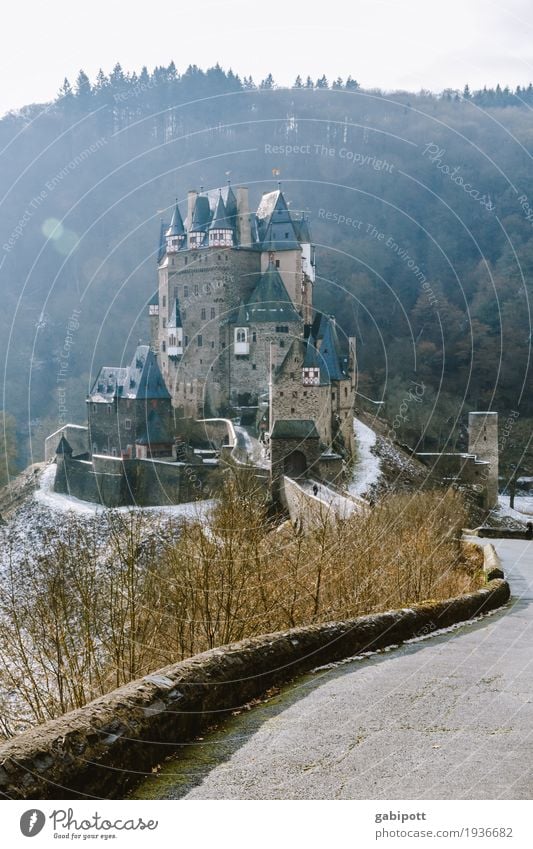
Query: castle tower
x=235, y=287
x=483, y=442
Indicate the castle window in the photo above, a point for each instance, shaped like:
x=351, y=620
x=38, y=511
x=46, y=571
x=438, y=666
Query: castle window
x=199, y=340
x=184, y=314
x=286, y=235
x=164, y=322
x=163, y=346
x=254, y=336
x=305, y=393
x=185, y=291
x=332, y=396
x=109, y=409
x=212, y=344
x=127, y=424
x=202, y=314
x=294, y=394
x=213, y=313
x=293, y=410
x=281, y=343
x=175, y=291
x=186, y=341
x=186, y=260
x=281, y=394
x=113, y=452
x=254, y=367
x=164, y=300
x=196, y=289
x=277, y=263
x=94, y=408
x=345, y=391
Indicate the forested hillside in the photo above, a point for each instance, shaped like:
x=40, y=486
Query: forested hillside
x=421, y=208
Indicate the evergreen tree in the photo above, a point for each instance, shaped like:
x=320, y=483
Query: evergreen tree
x=322, y=82
x=298, y=82
x=268, y=82
x=83, y=86
x=65, y=92
x=351, y=84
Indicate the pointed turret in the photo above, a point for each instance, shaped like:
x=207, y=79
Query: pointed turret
x=276, y=227
x=231, y=208
x=176, y=225
x=175, y=235
x=329, y=352
x=64, y=448
x=220, y=229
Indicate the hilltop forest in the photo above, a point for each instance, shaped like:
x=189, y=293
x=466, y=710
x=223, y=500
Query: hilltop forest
x=421, y=208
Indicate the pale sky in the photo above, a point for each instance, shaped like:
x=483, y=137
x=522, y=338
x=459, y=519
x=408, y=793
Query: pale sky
x=391, y=44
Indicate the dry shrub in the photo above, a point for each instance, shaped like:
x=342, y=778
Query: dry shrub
x=106, y=602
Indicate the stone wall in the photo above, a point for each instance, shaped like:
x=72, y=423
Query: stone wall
x=483, y=441
x=207, y=279
x=99, y=749
x=113, y=482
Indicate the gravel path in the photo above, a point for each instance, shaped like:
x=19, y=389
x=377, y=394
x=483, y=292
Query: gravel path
x=447, y=717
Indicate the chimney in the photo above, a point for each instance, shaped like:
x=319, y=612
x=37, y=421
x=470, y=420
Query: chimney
x=191, y=200
x=244, y=231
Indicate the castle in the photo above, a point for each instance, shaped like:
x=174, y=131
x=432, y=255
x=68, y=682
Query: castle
x=233, y=323
x=234, y=336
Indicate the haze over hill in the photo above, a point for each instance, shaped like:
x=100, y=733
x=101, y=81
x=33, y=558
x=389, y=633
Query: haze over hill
x=421, y=209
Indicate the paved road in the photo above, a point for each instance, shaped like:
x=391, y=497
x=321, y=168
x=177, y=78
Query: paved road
x=449, y=717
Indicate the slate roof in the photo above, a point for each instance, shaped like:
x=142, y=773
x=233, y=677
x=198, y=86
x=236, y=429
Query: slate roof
x=270, y=300
x=220, y=220
x=141, y=380
x=176, y=224
x=329, y=354
x=273, y=226
x=294, y=429
x=276, y=227
x=201, y=214
x=64, y=447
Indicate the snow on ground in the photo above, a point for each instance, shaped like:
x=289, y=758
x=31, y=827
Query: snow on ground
x=523, y=507
x=366, y=470
x=56, y=501
x=251, y=447
x=340, y=504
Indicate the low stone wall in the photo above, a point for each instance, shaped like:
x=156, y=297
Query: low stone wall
x=99, y=749
x=503, y=533
x=115, y=482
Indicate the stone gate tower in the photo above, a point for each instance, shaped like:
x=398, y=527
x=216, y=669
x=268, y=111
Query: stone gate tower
x=483, y=442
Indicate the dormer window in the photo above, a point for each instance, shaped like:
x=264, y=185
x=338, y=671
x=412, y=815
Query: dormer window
x=242, y=343
x=311, y=377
